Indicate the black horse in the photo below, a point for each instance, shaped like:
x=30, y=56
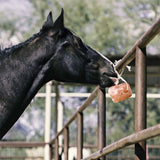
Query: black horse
x=54, y=53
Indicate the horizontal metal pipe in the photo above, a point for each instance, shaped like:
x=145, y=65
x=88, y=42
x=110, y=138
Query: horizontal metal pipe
x=129, y=140
x=21, y=157
x=141, y=43
x=21, y=144
x=42, y=95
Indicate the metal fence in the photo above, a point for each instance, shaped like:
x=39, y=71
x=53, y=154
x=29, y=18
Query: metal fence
x=137, y=52
x=28, y=151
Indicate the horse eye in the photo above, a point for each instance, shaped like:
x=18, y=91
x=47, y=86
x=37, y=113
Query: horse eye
x=94, y=65
x=65, y=44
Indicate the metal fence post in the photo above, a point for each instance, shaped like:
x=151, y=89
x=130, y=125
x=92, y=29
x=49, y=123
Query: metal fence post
x=56, y=149
x=140, y=100
x=101, y=139
x=80, y=136
x=66, y=143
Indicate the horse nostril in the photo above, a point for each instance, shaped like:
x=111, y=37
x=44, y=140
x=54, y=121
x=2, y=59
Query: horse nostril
x=104, y=74
x=114, y=75
x=111, y=74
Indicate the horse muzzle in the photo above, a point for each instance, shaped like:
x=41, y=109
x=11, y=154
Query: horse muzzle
x=108, y=81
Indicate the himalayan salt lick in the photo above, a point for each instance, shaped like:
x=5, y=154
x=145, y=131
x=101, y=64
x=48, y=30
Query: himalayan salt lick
x=120, y=92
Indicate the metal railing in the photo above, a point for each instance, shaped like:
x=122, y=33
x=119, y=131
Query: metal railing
x=79, y=116
x=39, y=147
x=138, y=52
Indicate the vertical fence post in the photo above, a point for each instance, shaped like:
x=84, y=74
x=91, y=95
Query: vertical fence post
x=56, y=146
x=80, y=136
x=56, y=149
x=47, y=150
x=101, y=120
x=56, y=106
x=140, y=100
x=66, y=143
x=60, y=125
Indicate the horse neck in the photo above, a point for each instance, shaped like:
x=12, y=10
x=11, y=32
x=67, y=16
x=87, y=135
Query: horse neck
x=22, y=74
x=26, y=63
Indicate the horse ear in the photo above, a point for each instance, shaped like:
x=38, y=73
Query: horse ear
x=59, y=23
x=49, y=23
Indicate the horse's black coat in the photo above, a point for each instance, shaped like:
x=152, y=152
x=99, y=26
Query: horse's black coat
x=53, y=53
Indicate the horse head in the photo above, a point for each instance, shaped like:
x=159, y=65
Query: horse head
x=73, y=60
x=54, y=53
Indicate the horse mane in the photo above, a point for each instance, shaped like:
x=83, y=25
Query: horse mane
x=12, y=48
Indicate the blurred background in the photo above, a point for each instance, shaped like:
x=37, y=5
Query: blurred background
x=109, y=26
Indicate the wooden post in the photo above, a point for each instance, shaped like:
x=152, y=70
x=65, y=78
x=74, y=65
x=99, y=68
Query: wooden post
x=80, y=136
x=101, y=120
x=140, y=101
x=47, y=150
